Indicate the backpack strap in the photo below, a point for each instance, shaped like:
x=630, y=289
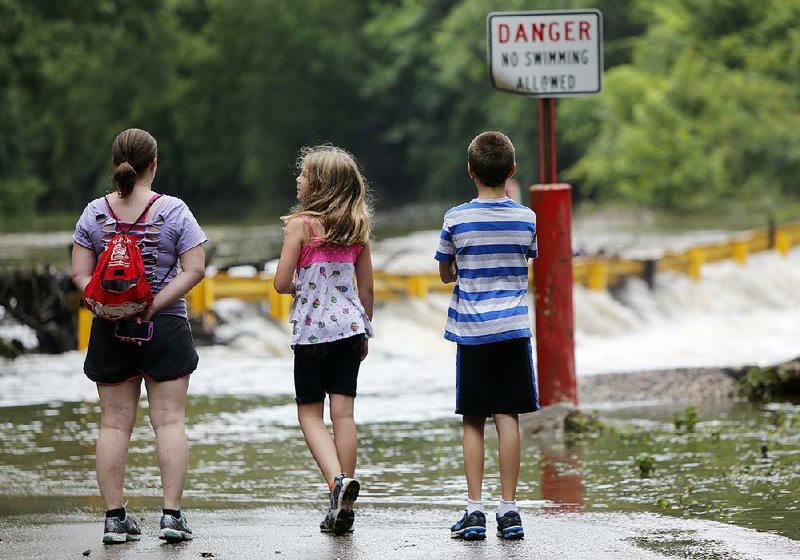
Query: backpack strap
x=142, y=215
x=157, y=289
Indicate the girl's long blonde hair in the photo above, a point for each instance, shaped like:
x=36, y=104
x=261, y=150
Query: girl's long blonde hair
x=337, y=195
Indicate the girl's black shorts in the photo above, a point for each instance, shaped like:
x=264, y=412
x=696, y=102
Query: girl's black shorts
x=169, y=355
x=495, y=378
x=328, y=367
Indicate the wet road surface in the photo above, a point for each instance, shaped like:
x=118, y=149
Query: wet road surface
x=385, y=532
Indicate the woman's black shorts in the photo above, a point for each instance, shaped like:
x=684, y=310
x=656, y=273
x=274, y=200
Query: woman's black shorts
x=169, y=355
x=495, y=378
x=328, y=367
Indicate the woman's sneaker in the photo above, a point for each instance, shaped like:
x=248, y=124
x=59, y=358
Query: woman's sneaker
x=121, y=530
x=509, y=526
x=341, y=516
x=471, y=527
x=174, y=529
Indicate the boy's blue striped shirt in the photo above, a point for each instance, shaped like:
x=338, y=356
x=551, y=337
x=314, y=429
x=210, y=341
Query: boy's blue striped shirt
x=491, y=242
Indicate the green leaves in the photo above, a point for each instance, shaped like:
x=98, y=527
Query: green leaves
x=18, y=196
x=701, y=104
x=703, y=115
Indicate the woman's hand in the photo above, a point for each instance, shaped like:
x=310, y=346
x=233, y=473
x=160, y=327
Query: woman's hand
x=192, y=271
x=364, y=348
x=129, y=340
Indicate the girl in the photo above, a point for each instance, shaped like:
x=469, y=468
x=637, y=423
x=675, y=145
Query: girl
x=325, y=263
x=169, y=236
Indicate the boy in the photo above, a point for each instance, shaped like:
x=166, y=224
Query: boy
x=484, y=248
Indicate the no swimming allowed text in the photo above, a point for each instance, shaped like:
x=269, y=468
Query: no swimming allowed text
x=556, y=53
x=544, y=83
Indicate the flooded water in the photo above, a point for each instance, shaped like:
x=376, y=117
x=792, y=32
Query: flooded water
x=740, y=464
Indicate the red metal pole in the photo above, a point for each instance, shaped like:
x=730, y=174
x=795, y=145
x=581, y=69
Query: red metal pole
x=555, y=339
x=542, y=144
x=552, y=116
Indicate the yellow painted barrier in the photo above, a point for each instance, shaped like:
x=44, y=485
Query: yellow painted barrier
x=740, y=250
x=758, y=241
x=389, y=287
x=783, y=242
x=84, y=327
x=280, y=305
x=596, y=273
x=252, y=288
x=696, y=259
x=417, y=286
x=619, y=269
x=201, y=297
x=598, y=276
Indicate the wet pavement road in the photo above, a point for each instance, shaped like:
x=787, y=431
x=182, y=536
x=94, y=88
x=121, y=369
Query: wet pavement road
x=387, y=532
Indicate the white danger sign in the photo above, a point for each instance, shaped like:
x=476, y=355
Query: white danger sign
x=546, y=54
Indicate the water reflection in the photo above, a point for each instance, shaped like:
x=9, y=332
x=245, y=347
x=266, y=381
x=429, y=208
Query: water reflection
x=740, y=465
x=562, y=481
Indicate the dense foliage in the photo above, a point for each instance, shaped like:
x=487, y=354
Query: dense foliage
x=701, y=101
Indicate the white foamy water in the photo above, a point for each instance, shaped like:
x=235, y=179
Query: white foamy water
x=737, y=315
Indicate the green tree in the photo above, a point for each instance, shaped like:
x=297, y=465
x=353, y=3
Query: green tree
x=79, y=72
x=429, y=75
x=261, y=79
x=700, y=105
x=707, y=111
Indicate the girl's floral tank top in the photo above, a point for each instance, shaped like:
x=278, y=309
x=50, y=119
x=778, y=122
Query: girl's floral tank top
x=326, y=305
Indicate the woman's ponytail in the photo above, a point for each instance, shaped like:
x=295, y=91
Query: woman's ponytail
x=124, y=178
x=132, y=151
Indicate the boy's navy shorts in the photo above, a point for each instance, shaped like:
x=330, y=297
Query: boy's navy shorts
x=328, y=367
x=169, y=355
x=495, y=378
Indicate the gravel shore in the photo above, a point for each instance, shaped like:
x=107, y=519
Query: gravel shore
x=689, y=385
x=679, y=385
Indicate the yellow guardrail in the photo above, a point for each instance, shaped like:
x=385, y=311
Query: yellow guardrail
x=596, y=273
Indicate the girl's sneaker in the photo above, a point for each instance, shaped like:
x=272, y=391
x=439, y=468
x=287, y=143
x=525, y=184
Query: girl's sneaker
x=471, y=527
x=120, y=531
x=341, y=516
x=509, y=526
x=175, y=529
x=326, y=526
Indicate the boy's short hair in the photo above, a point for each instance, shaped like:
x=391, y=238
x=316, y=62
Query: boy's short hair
x=491, y=157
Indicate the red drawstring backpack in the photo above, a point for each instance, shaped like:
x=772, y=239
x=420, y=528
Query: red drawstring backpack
x=119, y=288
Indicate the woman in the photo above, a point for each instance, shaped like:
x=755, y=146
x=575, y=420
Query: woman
x=167, y=234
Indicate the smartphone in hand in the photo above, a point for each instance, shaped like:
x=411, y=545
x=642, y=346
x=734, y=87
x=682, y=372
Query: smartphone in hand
x=127, y=328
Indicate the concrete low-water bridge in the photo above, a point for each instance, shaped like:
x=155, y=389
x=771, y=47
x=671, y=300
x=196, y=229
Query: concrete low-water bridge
x=44, y=299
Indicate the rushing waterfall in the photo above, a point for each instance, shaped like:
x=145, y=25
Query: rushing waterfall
x=736, y=315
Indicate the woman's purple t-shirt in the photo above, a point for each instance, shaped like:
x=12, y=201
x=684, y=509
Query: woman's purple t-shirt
x=170, y=231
